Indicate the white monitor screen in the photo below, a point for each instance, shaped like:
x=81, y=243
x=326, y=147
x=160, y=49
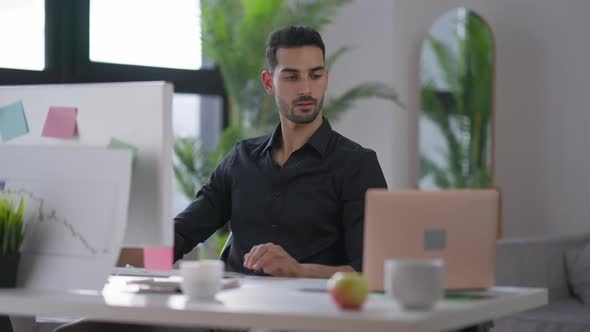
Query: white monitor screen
x=107, y=115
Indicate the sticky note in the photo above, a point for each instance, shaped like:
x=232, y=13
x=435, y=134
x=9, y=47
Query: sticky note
x=158, y=258
x=13, y=121
x=61, y=122
x=118, y=144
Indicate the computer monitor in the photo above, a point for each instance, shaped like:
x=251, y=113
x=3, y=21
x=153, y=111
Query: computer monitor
x=76, y=202
x=109, y=114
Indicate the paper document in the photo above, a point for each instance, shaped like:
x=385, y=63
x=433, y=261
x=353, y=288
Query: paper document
x=76, y=209
x=168, y=285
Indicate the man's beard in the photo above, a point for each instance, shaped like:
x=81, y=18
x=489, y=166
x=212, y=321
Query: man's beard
x=288, y=110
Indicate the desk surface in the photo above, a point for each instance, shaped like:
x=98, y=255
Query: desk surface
x=277, y=303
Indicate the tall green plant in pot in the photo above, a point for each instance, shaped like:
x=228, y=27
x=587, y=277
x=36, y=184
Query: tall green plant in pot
x=234, y=36
x=11, y=237
x=462, y=109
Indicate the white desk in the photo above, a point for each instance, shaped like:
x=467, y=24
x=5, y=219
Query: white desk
x=267, y=302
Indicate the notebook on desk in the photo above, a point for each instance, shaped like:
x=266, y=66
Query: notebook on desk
x=169, y=284
x=142, y=272
x=457, y=226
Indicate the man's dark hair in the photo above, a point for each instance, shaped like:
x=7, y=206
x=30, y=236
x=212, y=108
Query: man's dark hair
x=291, y=36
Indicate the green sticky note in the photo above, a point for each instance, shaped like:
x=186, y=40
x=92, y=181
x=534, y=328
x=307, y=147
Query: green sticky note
x=13, y=122
x=118, y=144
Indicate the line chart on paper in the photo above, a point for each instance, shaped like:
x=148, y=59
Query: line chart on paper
x=63, y=218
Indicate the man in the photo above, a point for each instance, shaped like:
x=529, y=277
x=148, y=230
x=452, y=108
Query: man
x=294, y=199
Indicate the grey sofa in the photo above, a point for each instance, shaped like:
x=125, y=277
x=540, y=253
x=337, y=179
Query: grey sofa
x=540, y=262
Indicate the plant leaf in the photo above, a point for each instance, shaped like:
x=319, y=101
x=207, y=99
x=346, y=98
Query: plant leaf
x=428, y=167
x=335, y=106
x=11, y=224
x=332, y=58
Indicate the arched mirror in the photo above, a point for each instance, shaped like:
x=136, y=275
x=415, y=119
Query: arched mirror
x=456, y=120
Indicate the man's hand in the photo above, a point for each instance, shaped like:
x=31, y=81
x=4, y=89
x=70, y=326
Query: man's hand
x=273, y=260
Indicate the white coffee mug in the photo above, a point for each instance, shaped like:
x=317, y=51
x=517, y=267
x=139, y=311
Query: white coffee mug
x=416, y=284
x=201, y=280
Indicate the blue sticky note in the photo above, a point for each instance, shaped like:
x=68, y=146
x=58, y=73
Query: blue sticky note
x=13, y=122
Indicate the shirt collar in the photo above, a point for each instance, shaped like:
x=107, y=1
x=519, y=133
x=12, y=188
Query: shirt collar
x=318, y=141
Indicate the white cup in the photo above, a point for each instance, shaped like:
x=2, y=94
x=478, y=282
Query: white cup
x=201, y=280
x=416, y=284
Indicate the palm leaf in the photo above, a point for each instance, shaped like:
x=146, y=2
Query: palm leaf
x=228, y=139
x=428, y=167
x=192, y=166
x=184, y=151
x=315, y=13
x=446, y=60
x=434, y=109
x=331, y=59
x=335, y=106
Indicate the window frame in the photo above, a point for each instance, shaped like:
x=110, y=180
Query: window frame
x=67, y=27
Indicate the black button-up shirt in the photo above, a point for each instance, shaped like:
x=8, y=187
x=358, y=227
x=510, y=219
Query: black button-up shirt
x=312, y=206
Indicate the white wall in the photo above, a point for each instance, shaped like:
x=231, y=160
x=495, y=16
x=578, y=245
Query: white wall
x=542, y=86
x=366, y=27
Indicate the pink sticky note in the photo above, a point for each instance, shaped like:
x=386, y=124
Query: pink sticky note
x=157, y=258
x=61, y=122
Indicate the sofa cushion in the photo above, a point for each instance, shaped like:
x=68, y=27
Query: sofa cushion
x=535, y=262
x=564, y=316
x=578, y=271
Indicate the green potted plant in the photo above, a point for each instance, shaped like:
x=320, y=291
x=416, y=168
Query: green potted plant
x=464, y=112
x=11, y=237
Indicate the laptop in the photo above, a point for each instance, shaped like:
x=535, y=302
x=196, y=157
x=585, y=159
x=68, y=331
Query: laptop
x=458, y=226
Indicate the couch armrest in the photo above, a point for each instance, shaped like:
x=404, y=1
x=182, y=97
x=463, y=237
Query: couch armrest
x=536, y=262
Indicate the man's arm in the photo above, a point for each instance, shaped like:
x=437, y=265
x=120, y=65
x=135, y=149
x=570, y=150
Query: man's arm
x=364, y=174
x=272, y=259
x=322, y=271
x=206, y=214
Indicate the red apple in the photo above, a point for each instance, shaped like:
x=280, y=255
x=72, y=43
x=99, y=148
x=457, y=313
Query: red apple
x=348, y=289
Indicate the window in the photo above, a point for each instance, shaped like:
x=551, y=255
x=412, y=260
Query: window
x=149, y=33
x=195, y=116
x=22, y=34
x=79, y=41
